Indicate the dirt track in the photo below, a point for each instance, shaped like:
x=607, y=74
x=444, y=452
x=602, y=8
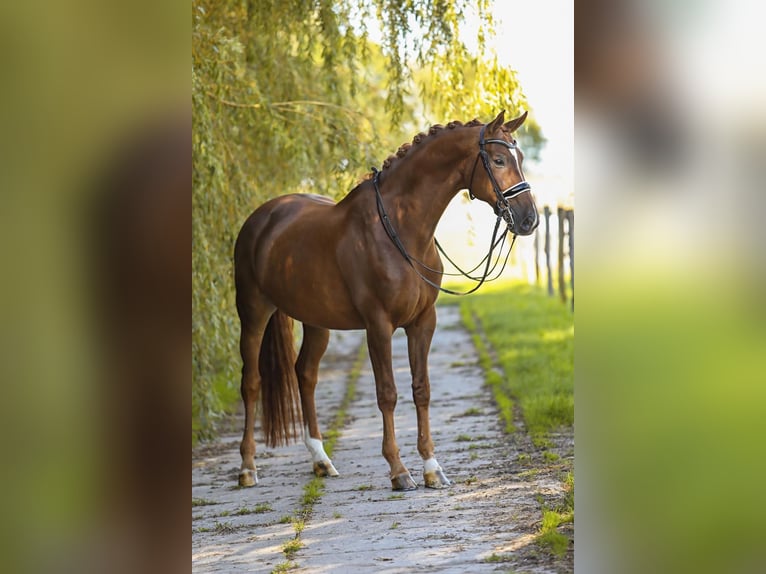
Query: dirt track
x=485, y=522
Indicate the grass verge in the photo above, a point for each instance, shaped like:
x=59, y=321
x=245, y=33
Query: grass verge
x=532, y=337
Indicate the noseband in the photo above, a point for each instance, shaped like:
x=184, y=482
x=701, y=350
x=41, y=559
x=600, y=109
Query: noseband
x=503, y=206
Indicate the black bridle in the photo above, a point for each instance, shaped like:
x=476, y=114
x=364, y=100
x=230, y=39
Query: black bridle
x=502, y=211
x=503, y=206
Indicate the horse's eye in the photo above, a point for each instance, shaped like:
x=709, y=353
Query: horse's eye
x=499, y=161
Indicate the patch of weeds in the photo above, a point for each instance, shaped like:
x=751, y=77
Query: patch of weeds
x=551, y=538
x=541, y=441
x=224, y=528
x=204, y=529
x=284, y=567
x=496, y=558
x=202, y=502
x=299, y=524
x=569, y=488
x=473, y=456
x=337, y=515
x=291, y=547
x=524, y=458
x=396, y=497
x=459, y=507
x=394, y=526
x=550, y=456
x=312, y=491
x=473, y=412
x=463, y=438
x=474, y=446
x=531, y=473
x=287, y=519
x=224, y=513
x=257, y=509
x=365, y=487
x=470, y=480
x=457, y=364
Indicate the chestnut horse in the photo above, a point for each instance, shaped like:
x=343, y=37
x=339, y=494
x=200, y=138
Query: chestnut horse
x=368, y=262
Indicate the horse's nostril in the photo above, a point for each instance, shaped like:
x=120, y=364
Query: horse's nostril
x=528, y=224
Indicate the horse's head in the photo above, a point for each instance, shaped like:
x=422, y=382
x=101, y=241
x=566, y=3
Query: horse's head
x=501, y=183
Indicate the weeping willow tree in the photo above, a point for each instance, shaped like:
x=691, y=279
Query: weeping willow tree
x=294, y=95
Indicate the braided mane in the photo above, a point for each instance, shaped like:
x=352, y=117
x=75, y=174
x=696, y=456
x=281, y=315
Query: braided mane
x=434, y=129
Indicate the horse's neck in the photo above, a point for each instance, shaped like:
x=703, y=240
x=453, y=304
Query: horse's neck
x=417, y=194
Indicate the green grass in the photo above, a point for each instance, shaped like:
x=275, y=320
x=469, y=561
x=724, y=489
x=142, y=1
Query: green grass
x=533, y=337
x=202, y=502
x=548, y=536
x=219, y=528
x=299, y=524
x=291, y=547
x=312, y=491
x=497, y=558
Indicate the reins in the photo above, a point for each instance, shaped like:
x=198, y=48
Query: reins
x=502, y=210
x=394, y=237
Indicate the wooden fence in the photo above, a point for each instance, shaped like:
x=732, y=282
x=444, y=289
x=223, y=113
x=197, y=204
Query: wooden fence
x=565, y=252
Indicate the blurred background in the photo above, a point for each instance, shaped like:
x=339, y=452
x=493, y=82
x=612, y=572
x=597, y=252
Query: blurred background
x=670, y=118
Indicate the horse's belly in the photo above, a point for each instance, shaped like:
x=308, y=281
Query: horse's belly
x=307, y=285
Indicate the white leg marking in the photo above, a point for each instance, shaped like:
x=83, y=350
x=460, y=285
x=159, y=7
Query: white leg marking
x=315, y=446
x=431, y=465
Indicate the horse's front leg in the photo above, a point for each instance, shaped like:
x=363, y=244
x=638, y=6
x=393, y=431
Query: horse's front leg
x=379, y=344
x=419, y=335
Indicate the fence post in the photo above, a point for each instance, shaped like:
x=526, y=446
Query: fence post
x=547, y=213
x=536, y=246
x=562, y=283
x=570, y=230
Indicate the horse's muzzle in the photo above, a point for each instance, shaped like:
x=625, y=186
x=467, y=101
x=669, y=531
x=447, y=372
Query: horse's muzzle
x=529, y=224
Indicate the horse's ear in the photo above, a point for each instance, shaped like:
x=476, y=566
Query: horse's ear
x=513, y=125
x=496, y=123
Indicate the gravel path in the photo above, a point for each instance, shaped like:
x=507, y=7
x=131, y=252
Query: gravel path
x=485, y=522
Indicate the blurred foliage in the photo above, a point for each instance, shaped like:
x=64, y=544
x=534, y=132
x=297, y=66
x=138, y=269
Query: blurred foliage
x=293, y=96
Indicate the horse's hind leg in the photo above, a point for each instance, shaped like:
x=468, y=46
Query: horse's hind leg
x=254, y=320
x=314, y=345
x=419, y=335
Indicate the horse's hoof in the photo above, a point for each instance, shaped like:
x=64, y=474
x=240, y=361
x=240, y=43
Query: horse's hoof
x=436, y=479
x=403, y=482
x=325, y=468
x=248, y=477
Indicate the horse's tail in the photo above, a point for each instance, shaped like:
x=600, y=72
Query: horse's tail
x=279, y=383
